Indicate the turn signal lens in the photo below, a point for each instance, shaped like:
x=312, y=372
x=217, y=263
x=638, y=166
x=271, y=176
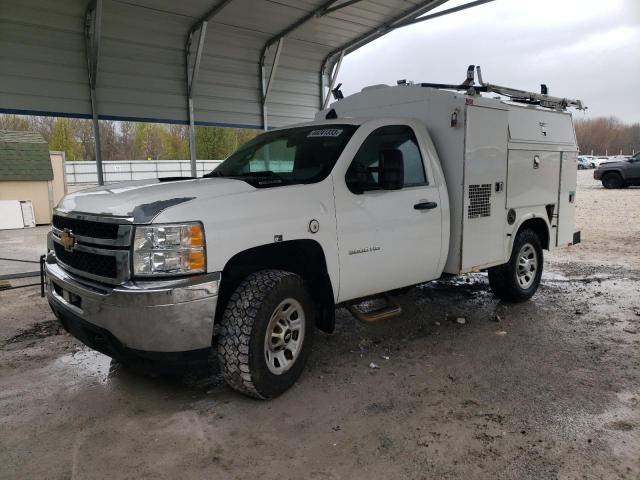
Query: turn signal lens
x=196, y=261
x=196, y=235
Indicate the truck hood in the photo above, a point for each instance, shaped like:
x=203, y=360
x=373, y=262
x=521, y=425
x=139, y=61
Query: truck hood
x=613, y=164
x=143, y=200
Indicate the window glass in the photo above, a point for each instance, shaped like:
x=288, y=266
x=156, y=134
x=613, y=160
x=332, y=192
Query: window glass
x=275, y=156
x=362, y=174
x=287, y=156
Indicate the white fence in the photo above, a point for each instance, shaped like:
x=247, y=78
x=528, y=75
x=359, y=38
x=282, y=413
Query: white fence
x=123, y=170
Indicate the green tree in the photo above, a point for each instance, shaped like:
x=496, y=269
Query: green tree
x=147, y=141
x=175, y=143
x=63, y=139
x=214, y=143
x=14, y=122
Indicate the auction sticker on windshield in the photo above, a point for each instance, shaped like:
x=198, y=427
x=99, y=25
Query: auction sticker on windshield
x=325, y=132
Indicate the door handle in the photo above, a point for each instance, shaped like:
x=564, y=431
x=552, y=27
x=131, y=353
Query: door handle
x=425, y=205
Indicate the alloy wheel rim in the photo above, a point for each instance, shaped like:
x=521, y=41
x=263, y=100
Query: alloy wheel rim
x=527, y=266
x=284, y=337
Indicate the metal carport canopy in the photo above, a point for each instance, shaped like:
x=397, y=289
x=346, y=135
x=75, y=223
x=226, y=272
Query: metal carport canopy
x=244, y=63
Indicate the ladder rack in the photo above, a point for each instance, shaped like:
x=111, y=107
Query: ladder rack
x=520, y=96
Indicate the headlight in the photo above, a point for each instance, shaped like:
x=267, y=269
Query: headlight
x=169, y=250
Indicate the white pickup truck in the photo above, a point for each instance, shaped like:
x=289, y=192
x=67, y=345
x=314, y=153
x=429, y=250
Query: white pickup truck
x=388, y=188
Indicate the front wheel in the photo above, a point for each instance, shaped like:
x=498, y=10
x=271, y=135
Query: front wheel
x=612, y=180
x=266, y=333
x=519, y=278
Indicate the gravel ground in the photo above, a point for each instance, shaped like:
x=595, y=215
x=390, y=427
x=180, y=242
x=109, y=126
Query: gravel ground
x=545, y=389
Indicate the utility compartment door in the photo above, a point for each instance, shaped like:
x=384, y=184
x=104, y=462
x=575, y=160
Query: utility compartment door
x=485, y=175
x=533, y=178
x=567, y=198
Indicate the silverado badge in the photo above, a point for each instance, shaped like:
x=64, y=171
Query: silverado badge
x=68, y=240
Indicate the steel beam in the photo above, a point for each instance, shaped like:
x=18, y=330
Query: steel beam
x=192, y=73
x=332, y=81
x=266, y=87
x=207, y=17
x=383, y=29
x=315, y=13
x=192, y=76
x=329, y=10
x=409, y=17
x=92, y=33
x=442, y=13
x=324, y=9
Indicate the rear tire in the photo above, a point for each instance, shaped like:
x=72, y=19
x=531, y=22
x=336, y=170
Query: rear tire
x=519, y=278
x=612, y=180
x=266, y=333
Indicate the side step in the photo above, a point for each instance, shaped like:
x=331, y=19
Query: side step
x=389, y=310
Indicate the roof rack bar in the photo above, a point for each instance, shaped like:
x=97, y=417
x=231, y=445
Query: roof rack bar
x=522, y=96
x=514, y=94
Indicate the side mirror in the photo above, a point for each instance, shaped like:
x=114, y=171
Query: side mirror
x=391, y=170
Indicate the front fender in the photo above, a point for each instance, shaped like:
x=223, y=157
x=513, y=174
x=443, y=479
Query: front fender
x=262, y=217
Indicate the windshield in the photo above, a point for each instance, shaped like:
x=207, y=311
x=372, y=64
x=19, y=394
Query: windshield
x=284, y=157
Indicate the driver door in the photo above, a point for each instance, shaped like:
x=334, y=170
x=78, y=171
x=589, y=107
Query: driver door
x=387, y=239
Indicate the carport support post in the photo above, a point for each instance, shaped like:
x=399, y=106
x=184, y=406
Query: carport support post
x=93, y=17
x=266, y=86
x=332, y=81
x=192, y=75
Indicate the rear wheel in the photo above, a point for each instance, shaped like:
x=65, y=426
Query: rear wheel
x=266, y=333
x=519, y=278
x=612, y=180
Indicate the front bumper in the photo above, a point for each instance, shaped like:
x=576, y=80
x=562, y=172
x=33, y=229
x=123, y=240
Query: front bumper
x=597, y=174
x=151, y=316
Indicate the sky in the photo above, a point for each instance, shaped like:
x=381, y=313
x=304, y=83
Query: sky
x=584, y=49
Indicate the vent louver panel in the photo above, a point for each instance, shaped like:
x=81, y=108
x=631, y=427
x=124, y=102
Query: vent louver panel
x=479, y=201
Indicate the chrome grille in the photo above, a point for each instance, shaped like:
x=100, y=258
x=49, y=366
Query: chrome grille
x=86, y=228
x=100, y=265
x=102, y=248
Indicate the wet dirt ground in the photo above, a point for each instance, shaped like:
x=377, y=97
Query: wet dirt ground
x=545, y=389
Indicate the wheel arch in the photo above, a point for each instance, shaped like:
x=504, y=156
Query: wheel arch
x=617, y=170
x=304, y=257
x=539, y=225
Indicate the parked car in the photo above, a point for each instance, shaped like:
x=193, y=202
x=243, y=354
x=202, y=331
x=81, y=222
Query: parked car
x=584, y=164
x=590, y=159
x=600, y=160
x=619, y=174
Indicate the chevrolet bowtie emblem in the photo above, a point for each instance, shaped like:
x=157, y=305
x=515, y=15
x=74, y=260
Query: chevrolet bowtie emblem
x=68, y=240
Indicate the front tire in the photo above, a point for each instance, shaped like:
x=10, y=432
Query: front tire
x=612, y=180
x=266, y=333
x=519, y=278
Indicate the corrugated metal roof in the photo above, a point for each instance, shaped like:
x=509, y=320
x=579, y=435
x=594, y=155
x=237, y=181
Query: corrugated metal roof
x=24, y=156
x=141, y=70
